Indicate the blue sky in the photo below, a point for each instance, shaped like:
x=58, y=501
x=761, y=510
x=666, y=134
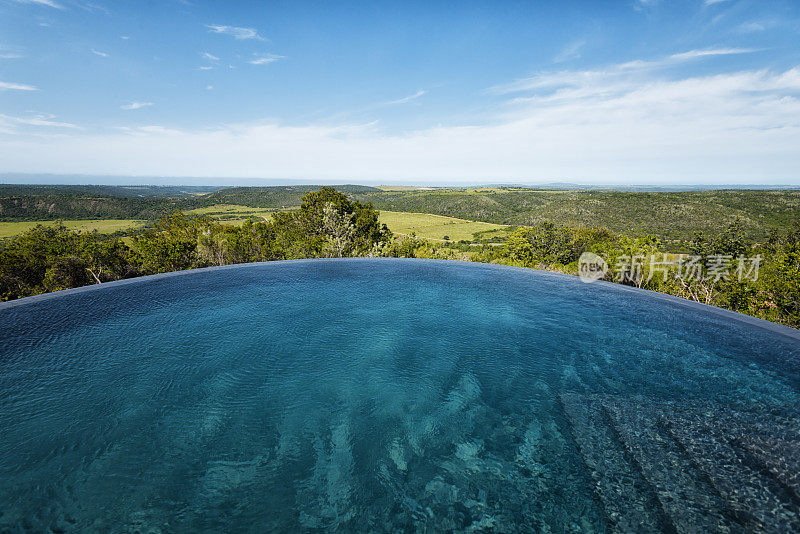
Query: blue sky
x=628, y=92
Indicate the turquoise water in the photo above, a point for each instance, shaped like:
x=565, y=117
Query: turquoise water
x=392, y=395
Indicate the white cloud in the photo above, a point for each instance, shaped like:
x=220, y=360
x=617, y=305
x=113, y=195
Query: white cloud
x=580, y=126
x=205, y=67
x=124, y=37
x=10, y=86
x=210, y=57
x=236, y=32
x=407, y=99
x=159, y=130
x=265, y=59
x=136, y=105
x=48, y=3
x=99, y=53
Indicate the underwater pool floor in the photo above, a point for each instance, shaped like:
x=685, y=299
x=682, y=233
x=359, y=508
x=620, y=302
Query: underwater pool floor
x=393, y=395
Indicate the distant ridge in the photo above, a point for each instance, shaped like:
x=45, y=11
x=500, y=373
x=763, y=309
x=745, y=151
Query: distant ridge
x=223, y=182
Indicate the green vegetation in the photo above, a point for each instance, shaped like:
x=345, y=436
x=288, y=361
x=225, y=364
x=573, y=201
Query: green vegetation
x=438, y=227
x=49, y=258
x=671, y=216
x=726, y=270
x=103, y=226
x=234, y=214
x=276, y=196
x=72, y=207
x=221, y=211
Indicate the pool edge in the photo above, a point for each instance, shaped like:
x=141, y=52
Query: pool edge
x=773, y=327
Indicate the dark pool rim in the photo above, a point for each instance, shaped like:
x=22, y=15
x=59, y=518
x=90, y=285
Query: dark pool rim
x=770, y=326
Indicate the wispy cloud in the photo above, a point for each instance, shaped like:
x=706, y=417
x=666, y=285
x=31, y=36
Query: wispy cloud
x=10, y=86
x=407, y=99
x=265, y=59
x=640, y=5
x=32, y=125
x=44, y=121
x=757, y=26
x=712, y=2
x=144, y=130
x=91, y=7
x=692, y=54
x=617, y=71
x=9, y=55
x=205, y=67
x=136, y=105
x=571, y=51
x=235, y=31
x=750, y=27
x=676, y=59
x=99, y=53
x=48, y=3
x=210, y=57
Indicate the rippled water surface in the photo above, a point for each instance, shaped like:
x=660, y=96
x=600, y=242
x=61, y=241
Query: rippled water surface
x=392, y=395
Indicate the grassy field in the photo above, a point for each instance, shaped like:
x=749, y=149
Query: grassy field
x=438, y=227
x=403, y=188
x=232, y=211
x=104, y=226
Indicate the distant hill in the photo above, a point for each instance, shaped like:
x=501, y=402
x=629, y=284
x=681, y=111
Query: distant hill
x=672, y=216
x=74, y=206
x=276, y=196
x=51, y=202
x=121, y=191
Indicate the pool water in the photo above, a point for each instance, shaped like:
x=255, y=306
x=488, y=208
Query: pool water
x=393, y=395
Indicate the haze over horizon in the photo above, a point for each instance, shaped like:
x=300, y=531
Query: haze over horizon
x=640, y=92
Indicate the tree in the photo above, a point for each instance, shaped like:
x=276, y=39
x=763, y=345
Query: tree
x=161, y=253
x=781, y=276
x=339, y=231
x=518, y=246
x=49, y=258
x=326, y=216
x=106, y=259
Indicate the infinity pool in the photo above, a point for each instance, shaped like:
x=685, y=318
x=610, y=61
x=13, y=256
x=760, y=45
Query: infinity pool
x=393, y=395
